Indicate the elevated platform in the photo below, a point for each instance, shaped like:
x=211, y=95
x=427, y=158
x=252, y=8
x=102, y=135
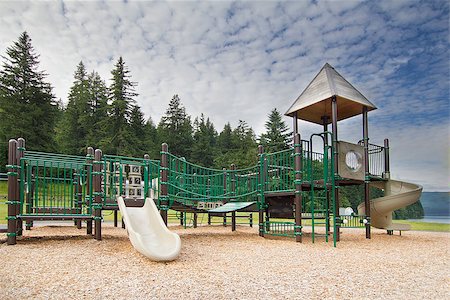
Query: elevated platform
x=233, y=206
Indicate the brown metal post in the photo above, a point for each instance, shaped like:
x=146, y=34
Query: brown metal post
x=89, y=185
x=298, y=187
x=387, y=168
x=181, y=218
x=115, y=218
x=209, y=219
x=97, y=194
x=19, y=155
x=194, y=222
x=233, y=221
x=367, y=171
x=334, y=119
x=164, y=181
x=295, y=124
x=12, y=197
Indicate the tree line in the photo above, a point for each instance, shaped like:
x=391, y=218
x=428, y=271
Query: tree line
x=108, y=117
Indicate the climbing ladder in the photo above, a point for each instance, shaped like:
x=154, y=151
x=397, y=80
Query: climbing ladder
x=320, y=174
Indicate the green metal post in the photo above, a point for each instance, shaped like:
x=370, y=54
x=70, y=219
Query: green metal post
x=12, y=196
x=89, y=186
x=233, y=190
x=98, y=194
x=367, y=171
x=147, y=176
x=298, y=187
x=20, y=183
x=164, y=181
x=262, y=184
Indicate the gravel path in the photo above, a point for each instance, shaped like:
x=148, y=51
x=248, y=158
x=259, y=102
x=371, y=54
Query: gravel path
x=215, y=263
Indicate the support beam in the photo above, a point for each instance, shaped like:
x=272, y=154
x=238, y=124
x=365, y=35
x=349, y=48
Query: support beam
x=298, y=187
x=325, y=120
x=387, y=168
x=195, y=219
x=367, y=171
x=89, y=183
x=233, y=221
x=97, y=174
x=164, y=182
x=12, y=196
x=19, y=155
x=262, y=179
x=334, y=118
x=295, y=124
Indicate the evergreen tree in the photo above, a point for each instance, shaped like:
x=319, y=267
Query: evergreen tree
x=97, y=135
x=27, y=106
x=224, y=141
x=175, y=129
x=75, y=124
x=122, y=102
x=137, y=128
x=237, y=147
x=151, y=140
x=205, y=138
x=277, y=136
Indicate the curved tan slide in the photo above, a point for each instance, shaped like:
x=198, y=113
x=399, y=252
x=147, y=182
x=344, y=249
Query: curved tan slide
x=148, y=233
x=398, y=194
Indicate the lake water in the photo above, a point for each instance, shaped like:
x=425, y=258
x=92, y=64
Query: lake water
x=436, y=206
x=433, y=219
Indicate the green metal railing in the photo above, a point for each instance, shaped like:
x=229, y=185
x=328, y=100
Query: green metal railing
x=286, y=229
x=376, y=159
x=190, y=184
x=279, y=168
x=129, y=177
x=54, y=184
x=352, y=221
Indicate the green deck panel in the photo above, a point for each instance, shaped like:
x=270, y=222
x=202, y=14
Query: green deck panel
x=231, y=206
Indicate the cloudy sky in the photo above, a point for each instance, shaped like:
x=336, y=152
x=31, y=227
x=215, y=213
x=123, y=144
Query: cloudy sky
x=239, y=60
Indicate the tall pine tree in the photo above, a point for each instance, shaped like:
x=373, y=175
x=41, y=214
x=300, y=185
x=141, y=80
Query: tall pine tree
x=122, y=95
x=27, y=105
x=277, y=136
x=137, y=131
x=97, y=134
x=205, y=138
x=175, y=129
x=75, y=124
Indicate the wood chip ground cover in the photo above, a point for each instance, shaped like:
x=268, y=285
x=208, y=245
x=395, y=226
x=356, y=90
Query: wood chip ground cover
x=61, y=262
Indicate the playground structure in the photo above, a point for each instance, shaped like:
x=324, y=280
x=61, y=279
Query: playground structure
x=284, y=187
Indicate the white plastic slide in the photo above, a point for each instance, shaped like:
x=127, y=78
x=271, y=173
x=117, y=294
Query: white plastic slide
x=398, y=194
x=148, y=233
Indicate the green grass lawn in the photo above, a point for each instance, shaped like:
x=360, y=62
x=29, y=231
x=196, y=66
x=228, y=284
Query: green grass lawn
x=425, y=226
x=203, y=218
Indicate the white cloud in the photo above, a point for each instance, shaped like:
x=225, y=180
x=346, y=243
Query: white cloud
x=239, y=60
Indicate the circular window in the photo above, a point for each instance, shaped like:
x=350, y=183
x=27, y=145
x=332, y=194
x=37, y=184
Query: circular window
x=353, y=160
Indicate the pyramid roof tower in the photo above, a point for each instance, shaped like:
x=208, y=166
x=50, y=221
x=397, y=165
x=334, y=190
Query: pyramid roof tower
x=315, y=101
